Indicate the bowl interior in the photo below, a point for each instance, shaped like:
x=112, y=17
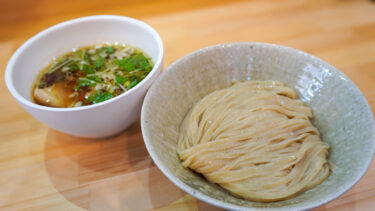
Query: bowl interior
x=341, y=114
x=39, y=51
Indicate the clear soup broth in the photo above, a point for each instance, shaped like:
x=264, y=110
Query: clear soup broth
x=90, y=75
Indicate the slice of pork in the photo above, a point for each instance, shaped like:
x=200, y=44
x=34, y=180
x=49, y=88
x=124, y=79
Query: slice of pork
x=48, y=96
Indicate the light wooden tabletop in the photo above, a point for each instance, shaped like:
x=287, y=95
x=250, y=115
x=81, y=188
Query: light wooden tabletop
x=42, y=169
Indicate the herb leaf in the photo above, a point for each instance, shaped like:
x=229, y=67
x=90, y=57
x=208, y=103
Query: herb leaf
x=120, y=79
x=95, y=78
x=134, y=62
x=98, y=97
x=83, y=82
x=126, y=64
x=142, y=62
x=133, y=83
x=87, y=69
x=99, y=62
x=110, y=49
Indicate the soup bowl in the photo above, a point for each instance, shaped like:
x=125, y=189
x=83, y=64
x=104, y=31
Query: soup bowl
x=341, y=113
x=94, y=121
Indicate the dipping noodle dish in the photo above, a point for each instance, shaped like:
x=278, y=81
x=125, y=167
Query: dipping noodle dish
x=254, y=139
x=238, y=125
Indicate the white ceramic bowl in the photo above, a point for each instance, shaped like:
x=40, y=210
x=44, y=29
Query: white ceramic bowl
x=95, y=121
x=341, y=114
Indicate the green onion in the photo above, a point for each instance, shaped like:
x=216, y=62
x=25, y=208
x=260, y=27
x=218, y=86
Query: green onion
x=59, y=64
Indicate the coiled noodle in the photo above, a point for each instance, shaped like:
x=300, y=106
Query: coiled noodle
x=256, y=140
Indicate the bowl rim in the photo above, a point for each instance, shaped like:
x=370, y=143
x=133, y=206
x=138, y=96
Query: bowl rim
x=227, y=205
x=46, y=32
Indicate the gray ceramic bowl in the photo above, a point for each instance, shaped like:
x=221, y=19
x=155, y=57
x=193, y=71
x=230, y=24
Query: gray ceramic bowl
x=341, y=113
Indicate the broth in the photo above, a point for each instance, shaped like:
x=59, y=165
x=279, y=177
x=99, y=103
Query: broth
x=90, y=75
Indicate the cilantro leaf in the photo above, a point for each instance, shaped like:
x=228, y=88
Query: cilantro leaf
x=120, y=79
x=134, y=62
x=126, y=64
x=87, y=69
x=73, y=66
x=95, y=78
x=83, y=82
x=110, y=49
x=98, y=97
x=99, y=62
x=142, y=62
x=133, y=83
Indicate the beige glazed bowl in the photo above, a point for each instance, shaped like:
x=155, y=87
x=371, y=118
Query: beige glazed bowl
x=341, y=113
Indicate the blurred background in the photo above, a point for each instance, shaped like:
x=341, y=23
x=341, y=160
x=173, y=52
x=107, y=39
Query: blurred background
x=18, y=14
x=308, y=25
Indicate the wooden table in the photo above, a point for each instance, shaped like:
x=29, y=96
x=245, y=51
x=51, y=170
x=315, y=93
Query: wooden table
x=42, y=169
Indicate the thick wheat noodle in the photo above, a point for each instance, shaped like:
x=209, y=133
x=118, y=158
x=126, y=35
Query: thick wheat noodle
x=256, y=140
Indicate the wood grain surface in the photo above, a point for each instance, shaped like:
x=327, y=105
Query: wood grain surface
x=42, y=169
